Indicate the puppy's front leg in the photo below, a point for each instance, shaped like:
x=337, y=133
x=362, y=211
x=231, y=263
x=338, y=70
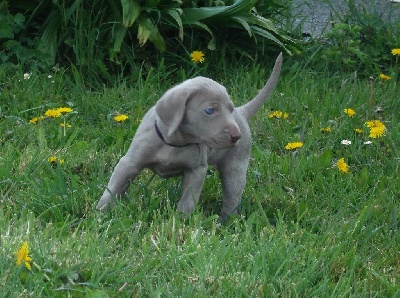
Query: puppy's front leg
x=124, y=172
x=233, y=179
x=192, y=184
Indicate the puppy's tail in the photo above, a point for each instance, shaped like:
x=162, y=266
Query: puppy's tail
x=250, y=108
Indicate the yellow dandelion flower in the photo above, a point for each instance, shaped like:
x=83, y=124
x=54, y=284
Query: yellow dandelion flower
x=52, y=113
x=349, y=112
x=35, y=120
x=376, y=132
x=278, y=114
x=120, y=118
x=23, y=255
x=197, y=56
x=342, y=166
x=358, y=130
x=395, y=51
x=384, y=77
x=371, y=123
x=294, y=145
x=374, y=123
x=326, y=129
x=53, y=159
x=64, y=110
x=275, y=114
x=67, y=125
x=376, y=128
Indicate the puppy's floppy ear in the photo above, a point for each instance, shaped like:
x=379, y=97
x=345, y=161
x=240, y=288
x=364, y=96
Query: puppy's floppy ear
x=171, y=108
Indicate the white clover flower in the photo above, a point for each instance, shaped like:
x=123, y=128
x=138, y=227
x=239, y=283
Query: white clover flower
x=346, y=142
x=27, y=76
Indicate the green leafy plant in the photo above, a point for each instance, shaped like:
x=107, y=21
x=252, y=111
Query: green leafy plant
x=362, y=39
x=102, y=38
x=345, y=50
x=239, y=15
x=12, y=49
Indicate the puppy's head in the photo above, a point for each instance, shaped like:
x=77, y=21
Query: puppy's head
x=199, y=109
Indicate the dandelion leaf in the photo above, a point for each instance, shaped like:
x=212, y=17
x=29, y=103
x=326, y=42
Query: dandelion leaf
x=326, y=158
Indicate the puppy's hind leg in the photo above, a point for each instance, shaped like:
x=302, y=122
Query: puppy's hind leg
x=124, y=172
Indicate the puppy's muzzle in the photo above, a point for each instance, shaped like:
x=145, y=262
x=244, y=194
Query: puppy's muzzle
x=234, y=134
x=235, y=138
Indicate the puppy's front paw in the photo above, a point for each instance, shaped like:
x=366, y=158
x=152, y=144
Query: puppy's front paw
x=186, y=207
x=105, y=203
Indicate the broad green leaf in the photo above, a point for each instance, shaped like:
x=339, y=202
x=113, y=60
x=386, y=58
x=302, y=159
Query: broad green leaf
x=271, y=37
x=218, y=13
x=176, y=15
x=6, y=31
x=151, y=3
x=130, y=12
x=148, y=31
x=19, y=19
x=239, y=7
x=211, y=44
x=49, y=38
x=259, y=21
x=143, y=34
x=243, y=23
x=119, y=38
x=191, y=15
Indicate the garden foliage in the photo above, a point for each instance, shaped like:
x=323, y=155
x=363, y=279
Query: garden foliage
x=114, y=36
x=360, y=39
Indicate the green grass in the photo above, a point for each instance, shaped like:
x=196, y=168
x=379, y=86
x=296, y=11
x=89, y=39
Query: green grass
x=305, y=230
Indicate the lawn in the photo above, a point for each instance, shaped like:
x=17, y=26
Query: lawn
x=319, y=217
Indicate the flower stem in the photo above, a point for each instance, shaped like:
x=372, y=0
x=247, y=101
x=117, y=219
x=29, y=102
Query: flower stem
x=64, y=127
x=40, y=269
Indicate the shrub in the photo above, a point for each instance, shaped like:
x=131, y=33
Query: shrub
x=361, y=41
x=104, y=38
x=12, y=50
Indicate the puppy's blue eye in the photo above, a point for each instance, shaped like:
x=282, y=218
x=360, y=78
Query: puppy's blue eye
x=209, y=110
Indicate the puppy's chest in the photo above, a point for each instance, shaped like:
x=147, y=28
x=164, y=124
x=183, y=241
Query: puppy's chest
x=172, y=161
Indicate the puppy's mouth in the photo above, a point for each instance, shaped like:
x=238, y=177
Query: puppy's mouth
x=225, y=142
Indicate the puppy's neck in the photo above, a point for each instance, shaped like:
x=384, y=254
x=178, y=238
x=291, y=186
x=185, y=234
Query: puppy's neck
x=175, y=138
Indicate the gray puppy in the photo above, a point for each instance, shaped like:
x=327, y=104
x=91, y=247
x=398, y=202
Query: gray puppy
x=193, y=125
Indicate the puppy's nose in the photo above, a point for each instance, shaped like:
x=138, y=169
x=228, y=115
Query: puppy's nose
x=235, y=138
